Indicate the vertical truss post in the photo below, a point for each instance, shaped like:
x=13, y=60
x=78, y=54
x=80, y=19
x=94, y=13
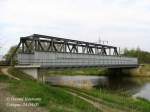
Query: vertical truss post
x=48, y=43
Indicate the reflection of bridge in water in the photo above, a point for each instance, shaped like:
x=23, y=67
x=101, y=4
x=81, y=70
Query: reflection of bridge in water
x=48, y=51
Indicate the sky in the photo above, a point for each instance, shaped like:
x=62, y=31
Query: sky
x=123, y=23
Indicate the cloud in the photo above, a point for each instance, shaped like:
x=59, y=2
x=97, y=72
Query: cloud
x=120, y=21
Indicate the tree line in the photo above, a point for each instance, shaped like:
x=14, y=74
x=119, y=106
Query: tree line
x=143, y=56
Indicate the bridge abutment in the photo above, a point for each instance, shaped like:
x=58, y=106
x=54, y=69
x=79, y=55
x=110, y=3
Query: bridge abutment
x=31, y=70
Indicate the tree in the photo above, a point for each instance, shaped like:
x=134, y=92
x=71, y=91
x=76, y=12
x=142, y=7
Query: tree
x=9, y=56
x=143, y=56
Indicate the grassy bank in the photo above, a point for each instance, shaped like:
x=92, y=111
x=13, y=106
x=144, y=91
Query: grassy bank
x=116, y=100
x=17, y=73
x=143, y=71
x=53, y=98
x=121, y=100
x=77, y=71
x=97, y=71
x=0, y=71
x=56, y=99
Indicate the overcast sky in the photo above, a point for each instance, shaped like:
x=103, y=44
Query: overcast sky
x=124, y=23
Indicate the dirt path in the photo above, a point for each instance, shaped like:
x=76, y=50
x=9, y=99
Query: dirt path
x=5, y=72
x=9, y=105
x=96, y=102
x=97, y=105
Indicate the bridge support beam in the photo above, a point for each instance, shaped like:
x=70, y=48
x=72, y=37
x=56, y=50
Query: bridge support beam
x=30, y=70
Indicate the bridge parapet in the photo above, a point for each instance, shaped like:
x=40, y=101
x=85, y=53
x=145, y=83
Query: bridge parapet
x=53, y=59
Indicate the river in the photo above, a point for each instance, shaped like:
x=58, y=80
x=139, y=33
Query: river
x=135, y=86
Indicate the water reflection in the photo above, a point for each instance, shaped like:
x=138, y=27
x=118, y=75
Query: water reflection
x=144, y=92
x=136, y=86
x=121, y=83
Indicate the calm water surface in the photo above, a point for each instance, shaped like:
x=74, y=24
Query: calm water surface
x=138, y=87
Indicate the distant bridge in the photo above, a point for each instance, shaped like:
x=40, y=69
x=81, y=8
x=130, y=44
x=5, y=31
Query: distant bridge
x=53, y=52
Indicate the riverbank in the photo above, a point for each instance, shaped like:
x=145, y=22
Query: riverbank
x=52, y=99
x=97, y=71
x=122, y=101
x=143, y=71
x=59, y=99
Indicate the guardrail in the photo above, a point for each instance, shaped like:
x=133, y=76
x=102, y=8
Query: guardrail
x=74, y=60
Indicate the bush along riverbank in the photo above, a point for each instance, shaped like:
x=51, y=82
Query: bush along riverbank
x=97, y=71
x=120, y=101
x=143, y=70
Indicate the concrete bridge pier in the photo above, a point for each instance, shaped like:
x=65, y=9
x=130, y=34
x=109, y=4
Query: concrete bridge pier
x=32, y=70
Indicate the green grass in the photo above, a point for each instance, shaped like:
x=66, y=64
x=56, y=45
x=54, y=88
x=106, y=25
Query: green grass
x=0, y=71
x=78, y=71
x=118, y=100
x=17, y=73
x=145, y=68
x=97, y=71
x=4, y=78
x=53, y=98
x=142, y=71
x=56, y=99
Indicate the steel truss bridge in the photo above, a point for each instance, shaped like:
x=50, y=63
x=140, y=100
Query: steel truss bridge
x=49, y=51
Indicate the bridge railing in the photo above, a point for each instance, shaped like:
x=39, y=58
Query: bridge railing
x=53, y=59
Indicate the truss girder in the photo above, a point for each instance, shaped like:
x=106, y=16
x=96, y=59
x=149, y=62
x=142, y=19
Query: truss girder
x=44, y=43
